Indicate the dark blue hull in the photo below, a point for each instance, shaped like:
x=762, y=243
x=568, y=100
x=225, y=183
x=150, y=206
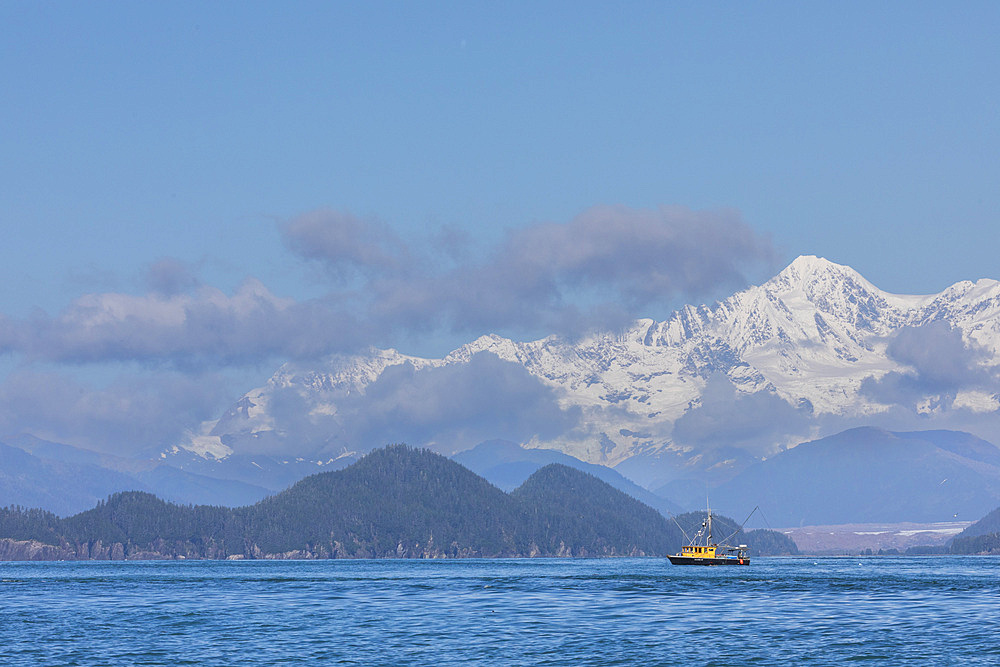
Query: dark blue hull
x=677, y=559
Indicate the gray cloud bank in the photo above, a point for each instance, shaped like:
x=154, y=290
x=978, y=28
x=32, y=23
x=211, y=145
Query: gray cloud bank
x=727, y=417
x=202, y=327
x=938, y=363
x=599, y=270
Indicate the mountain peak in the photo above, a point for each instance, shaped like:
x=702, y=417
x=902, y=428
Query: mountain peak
x=832, y=289
x=811, y=261
x=809, y=268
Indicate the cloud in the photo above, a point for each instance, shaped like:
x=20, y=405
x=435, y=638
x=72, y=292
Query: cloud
x=170, y=276
x=643, y=254
x=130, y=415
x=599, y=270
x=760, y=422
x=452, y=242
x=455, y=407
x=448, y=408
x=206, y=327
x=603, y=268
x=346, y=244
x=938, y=364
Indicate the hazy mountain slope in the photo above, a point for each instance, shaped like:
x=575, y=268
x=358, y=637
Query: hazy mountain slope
x=982, y=537
x=62, y=488
x=986, y=525
x=272, y=474
x=180, y=486
x=868, y=475
x=64, y=479
x=508, y=465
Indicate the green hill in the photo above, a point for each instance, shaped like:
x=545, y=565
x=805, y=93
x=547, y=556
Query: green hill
x=148, y=527
x=572, y=513
x=395, y=502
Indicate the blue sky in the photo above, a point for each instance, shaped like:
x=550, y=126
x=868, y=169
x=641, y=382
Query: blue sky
x=317, y=157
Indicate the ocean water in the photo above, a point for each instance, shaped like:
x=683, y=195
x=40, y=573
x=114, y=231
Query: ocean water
x=777, y=611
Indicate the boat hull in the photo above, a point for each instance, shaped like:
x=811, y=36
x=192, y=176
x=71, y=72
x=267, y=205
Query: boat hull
x=677, y=559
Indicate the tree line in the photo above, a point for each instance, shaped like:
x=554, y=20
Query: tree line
x=396, y=502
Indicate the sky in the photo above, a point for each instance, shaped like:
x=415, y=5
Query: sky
x=193, y=193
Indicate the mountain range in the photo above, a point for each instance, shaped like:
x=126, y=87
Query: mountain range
x=705, y=393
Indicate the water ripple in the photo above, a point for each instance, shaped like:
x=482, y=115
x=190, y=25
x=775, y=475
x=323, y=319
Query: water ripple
x=508, y=612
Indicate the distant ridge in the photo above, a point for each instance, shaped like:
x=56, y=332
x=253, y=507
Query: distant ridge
x=508, y=465
x=66, y=480
x=871, y=475
x=690, y=401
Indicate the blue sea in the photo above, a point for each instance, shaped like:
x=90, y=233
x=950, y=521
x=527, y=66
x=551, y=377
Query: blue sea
x=777, y=611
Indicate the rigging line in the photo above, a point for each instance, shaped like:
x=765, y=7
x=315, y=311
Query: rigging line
x=744, y=523
x=683, y=532
x=756, y=507
x=766, y=522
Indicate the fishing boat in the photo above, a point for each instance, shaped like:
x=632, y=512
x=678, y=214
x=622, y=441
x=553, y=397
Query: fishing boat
x=703, y=550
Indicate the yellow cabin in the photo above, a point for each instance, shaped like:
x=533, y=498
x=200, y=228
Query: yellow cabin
x=698, y=552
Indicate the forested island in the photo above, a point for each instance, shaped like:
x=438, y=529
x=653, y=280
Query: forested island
x=396, y=502
x=982, y=537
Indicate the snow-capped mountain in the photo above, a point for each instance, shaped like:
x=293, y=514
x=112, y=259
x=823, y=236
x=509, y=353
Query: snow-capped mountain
x=809, y=339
